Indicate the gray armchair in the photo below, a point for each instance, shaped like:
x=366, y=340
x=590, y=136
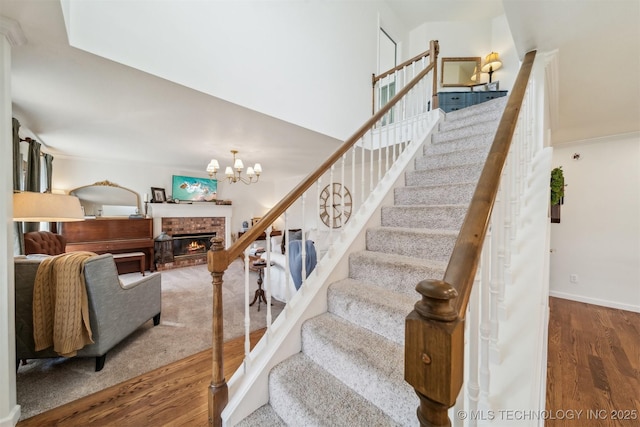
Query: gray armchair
x=115, y=310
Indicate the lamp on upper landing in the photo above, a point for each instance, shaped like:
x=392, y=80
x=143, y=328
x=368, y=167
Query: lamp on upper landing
x=30, y=206
x=492, y=62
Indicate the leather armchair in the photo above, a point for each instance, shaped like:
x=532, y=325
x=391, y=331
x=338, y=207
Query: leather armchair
x=115, y=310
x=44, y=242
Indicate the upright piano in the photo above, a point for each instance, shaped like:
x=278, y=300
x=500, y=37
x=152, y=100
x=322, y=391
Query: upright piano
x=112, y=235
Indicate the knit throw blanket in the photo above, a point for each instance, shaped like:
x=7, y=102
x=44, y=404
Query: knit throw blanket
x=60, y=304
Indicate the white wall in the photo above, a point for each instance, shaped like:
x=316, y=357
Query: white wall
x=247, y=200
x=292, y=60
x=598, y=238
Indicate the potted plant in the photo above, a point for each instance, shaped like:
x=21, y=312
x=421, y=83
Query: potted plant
x=557, y=193
x=557, y=186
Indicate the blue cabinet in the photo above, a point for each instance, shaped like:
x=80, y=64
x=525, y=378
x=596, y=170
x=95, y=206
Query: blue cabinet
x=452, y=101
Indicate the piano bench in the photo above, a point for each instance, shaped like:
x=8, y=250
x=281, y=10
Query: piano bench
x=131, y=256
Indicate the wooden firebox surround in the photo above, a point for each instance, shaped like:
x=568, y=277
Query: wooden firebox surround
x=191, y=219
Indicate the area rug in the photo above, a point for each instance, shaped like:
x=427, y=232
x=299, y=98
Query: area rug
x=185, y=329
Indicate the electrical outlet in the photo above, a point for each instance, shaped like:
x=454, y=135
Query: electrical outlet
x=573, y=278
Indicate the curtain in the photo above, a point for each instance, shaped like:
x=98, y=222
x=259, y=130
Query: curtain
x=48, y=171
x=32, y=181
x=18, y=229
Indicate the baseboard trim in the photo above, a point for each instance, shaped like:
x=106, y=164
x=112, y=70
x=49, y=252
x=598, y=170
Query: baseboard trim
x=595, y=301
x=12, y=418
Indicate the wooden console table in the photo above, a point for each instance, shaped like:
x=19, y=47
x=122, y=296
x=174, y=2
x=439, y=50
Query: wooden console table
x=452, y=101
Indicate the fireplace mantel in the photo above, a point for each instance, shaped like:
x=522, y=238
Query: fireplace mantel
x=201, y=209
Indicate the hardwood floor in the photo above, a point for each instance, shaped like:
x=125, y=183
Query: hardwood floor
x=593, y=367
x=174, y=395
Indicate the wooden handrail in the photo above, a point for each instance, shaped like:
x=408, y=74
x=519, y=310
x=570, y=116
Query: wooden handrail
x=434, y=50
x=218, y=258
x=434, y=349
x=466, y=253
x=401, y=66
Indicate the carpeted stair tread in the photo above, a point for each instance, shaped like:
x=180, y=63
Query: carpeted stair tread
x=412, y=241
x=454, y=158
x=448, y=217
x=444, y=175
x=393, y=272
x=452, y=122
x=263, y=416
x=369, y=306
x=465, y=132
x=483, y=140
x=438, y=194
x=366, y=362
x=304, y=394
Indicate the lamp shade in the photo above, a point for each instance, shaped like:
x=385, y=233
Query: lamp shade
x=46, y=207
x=492, y=62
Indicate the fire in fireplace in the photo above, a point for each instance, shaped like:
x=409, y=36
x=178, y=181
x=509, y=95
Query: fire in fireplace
x=191, y=245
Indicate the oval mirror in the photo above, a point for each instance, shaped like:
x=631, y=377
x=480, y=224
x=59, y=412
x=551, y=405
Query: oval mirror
x=459, y=71
x=106, y=198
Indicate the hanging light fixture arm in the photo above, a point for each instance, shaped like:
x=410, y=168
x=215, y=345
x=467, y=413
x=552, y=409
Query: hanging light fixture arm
x=233, y=173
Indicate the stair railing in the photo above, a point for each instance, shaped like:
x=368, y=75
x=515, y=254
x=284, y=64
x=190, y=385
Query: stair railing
x=384, y=84
x=434, y=331
x=368, y=155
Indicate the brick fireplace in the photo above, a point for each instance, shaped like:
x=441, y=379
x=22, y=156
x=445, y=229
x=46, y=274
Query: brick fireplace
x=191, y=239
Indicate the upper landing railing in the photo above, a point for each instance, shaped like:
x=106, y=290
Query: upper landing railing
x=360, y=163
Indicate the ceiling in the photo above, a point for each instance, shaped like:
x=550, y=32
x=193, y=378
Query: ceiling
x=57, y=100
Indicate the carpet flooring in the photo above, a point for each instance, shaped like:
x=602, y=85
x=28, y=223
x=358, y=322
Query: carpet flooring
x=185, y=329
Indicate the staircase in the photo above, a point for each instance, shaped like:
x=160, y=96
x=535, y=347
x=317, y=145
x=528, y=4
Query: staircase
x=350, y=369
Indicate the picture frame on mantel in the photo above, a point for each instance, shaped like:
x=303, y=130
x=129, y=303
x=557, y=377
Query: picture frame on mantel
x=158, y=195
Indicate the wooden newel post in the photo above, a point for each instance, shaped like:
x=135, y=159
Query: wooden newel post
x=217, y=261
x=434, y=47
x=434, y=352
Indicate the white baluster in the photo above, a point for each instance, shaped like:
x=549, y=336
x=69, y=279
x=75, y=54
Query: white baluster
x=342, y=188
x=331, y=220
x=247, y=313
x=363, y=181
x=354, y=190
x=473, y=382
x=387, y=134
x=508, y=188
x=485, y=323
x=371, y=166
x=287, y=267
x=266, y=272
x=303, y=251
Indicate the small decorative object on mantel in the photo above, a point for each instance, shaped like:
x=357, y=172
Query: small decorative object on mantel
x=223, y=202
x=158, y=195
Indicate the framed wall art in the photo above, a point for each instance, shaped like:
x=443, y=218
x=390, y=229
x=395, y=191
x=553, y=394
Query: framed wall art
x=158, y=195
x=191, y=189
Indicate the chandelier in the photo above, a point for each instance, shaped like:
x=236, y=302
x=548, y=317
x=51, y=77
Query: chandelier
x=235, y=174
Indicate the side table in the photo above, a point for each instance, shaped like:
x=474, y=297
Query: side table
x=259, y=296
